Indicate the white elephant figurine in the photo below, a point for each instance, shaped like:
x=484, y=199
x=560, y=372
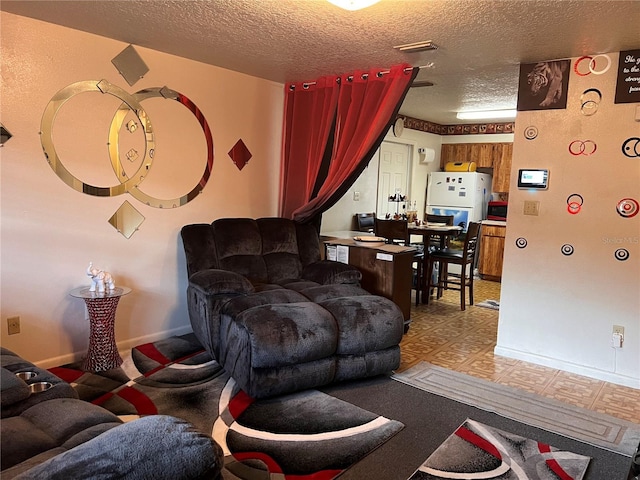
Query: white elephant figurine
x=100, y=279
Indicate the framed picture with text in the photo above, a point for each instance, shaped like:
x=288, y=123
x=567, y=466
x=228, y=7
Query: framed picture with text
x=628, y=81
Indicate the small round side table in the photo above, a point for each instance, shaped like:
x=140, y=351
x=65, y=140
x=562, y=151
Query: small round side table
x=103, y=352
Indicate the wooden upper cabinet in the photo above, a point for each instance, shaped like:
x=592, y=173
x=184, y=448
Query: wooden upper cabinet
x=454, y=152
x=502, y=169
x=486, y=155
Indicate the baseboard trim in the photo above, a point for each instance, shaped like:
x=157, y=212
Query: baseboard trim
x=569, y=367
x=122, y=346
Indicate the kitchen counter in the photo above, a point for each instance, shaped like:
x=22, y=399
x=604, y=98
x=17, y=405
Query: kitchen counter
x=497, y=223
x=343, y=234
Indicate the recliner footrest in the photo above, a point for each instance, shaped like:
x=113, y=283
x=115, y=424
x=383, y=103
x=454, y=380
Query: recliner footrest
x=283, y=334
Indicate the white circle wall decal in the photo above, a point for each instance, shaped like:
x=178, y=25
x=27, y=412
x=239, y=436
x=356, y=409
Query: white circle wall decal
x=530, y=132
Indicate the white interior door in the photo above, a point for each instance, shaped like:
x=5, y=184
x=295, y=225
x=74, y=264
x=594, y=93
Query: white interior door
x=393, y=176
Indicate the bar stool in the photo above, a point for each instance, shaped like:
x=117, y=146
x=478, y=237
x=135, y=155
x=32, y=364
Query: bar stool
x=465, y=258
x=365, y=221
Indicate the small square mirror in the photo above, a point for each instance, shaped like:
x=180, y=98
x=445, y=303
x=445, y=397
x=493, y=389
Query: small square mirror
x=130, y=65
x=126, y=219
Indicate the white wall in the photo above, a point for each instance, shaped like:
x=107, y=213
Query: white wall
x=340, y=217
x=558, y=310
x=50, y=232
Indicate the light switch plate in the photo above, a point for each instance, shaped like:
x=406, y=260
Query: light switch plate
x=531, y=207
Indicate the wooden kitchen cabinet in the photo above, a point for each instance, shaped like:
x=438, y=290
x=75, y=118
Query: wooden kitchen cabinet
x=486, y=155
x=454, y=152
x=491, y=252
x=502, y=169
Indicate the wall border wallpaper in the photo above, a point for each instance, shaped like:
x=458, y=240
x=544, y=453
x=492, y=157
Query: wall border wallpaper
x=463, y=129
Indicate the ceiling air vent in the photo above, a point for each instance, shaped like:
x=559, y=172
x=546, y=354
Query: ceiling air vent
x=421, y=83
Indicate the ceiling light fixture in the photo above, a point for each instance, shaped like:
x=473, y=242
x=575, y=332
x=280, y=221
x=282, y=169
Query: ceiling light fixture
x=486, y=114
x=353, y=4
x=417, y=46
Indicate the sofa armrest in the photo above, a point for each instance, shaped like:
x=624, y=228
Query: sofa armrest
x=208, y=291
x=220, y=282
x=13, y=390
x=158, y=446
x=326, y=272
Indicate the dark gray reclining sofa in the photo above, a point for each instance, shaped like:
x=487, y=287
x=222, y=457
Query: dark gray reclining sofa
x=277, y=317
x=51, y=434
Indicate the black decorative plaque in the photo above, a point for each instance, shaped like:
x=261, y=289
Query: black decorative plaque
x=628, y=82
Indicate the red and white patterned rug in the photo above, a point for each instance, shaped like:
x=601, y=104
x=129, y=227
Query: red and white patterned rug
x=307, y=435
x=476, y=450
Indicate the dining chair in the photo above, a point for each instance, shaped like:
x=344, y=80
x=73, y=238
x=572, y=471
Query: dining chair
x=438, y=241
x=365, y=221
x=397, y=232
x=443, y=257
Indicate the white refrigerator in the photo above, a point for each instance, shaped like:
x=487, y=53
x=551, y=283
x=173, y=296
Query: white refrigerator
x=465, y=195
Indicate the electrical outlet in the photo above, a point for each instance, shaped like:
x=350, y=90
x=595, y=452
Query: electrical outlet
x=356, y=196
x=531, y=207
x=617, y=337
x=13, y=324
x=616, y=340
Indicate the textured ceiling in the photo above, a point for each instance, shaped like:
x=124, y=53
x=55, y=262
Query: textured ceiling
x=476, y=67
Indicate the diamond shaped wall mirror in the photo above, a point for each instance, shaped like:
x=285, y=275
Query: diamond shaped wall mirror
x=130, y=65
x=5, y=135
x=126, y=219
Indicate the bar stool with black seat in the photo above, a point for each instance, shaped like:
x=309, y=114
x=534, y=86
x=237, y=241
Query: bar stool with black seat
x=438, y=241
x=365, y=222
x=397, y=232
x=465, y=258
x=435, y=242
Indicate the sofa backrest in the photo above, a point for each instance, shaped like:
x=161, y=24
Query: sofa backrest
x=266, y=250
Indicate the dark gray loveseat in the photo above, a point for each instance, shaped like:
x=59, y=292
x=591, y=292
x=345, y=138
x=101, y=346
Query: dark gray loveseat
x=277, y=317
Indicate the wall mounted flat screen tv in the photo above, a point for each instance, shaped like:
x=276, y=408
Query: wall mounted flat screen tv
x=533, y=178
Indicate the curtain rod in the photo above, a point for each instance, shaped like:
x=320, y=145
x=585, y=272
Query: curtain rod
x=364, y=76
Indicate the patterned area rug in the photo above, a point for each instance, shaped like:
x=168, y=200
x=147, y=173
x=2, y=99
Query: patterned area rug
x=308, y=435
x=476, y=450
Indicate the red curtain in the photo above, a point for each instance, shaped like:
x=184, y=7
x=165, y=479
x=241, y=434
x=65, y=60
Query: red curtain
x=367, y=103
x=309, y=114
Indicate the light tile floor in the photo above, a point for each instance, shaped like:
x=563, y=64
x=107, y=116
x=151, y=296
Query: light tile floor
x=444, y=335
